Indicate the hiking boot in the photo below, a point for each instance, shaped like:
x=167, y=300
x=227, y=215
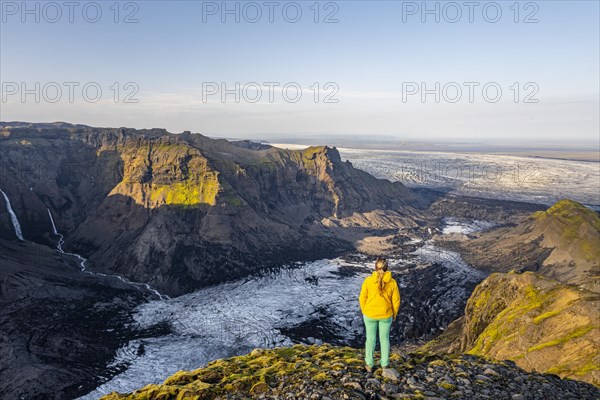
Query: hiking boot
x=369, y=368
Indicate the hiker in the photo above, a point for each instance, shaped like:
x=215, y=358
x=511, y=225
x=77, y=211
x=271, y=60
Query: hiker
x=379, y=303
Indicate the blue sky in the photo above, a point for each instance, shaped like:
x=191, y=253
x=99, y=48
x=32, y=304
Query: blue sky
x=373, y=56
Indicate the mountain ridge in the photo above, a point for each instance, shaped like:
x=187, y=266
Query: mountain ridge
x=181, y=211
x=125, y=198
x=562, y=242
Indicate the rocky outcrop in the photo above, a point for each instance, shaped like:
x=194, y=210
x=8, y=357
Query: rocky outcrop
x=499, y=212
x=535, y=321
x=328, y=372
x=183, y=211
x=562, y=242
x=572, y=231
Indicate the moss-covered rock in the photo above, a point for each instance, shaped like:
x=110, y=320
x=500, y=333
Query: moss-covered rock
x=536, y=321
x=166, y=172
x=130, y=197
x=574, y=228
x=331, y=372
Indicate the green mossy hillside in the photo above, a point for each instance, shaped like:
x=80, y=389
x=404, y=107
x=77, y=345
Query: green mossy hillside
x=574, y=213
x=577, y=226
x=533, y=320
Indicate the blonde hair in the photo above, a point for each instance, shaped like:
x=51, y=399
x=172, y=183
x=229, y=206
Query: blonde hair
x=381, y=266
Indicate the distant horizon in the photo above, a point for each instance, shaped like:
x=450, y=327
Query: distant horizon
x=366, y=137
x=576, y=151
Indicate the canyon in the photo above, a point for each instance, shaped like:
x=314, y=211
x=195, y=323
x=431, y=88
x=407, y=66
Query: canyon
x=116, y=242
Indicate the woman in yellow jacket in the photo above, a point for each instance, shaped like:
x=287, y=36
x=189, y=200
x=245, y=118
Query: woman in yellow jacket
x=379, y=302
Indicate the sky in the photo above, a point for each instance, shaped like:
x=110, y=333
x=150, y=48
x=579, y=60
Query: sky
x=435, y=71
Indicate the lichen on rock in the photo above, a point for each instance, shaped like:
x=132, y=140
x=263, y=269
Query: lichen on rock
x=331, y=372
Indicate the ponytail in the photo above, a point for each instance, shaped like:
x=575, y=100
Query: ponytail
x=381, y=266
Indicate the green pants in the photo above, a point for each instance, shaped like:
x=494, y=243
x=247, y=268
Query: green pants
x=384, y=339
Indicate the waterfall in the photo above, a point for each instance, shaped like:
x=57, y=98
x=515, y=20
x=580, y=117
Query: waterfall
x=13, y=217
x=61, y=240
x=52, y=221
x=82, y=261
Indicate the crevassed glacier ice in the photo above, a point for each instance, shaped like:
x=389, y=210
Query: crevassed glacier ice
x=539, y=180
x=232, y=318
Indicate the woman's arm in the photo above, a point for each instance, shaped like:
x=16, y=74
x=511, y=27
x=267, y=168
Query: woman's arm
x=395, y=299
x=364, y=293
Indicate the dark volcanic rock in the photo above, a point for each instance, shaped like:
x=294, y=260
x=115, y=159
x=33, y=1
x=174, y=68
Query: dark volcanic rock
x=59, y=326
x=501, y=212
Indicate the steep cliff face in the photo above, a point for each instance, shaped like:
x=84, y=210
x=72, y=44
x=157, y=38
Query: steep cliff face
x=536, y=321
x=562, y=242
x=182, y=211
x=165, y=172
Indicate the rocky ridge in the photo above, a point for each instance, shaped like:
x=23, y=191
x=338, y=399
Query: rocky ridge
x=328, y=372
x=562, y=242
x=538, y=322
x=545, y=320
x=125, y=198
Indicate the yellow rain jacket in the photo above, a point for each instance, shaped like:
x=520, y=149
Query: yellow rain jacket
x=373, y=304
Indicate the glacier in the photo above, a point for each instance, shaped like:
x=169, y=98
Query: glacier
x=530, y=180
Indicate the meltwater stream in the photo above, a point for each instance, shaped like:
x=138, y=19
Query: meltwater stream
x=308, y=303
x=83, y=260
